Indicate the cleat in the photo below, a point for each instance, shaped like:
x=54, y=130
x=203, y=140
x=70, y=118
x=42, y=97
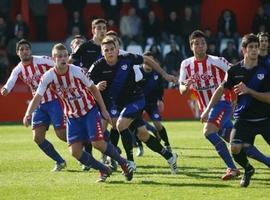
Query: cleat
x=246, y=177
x=230, y=174
x=140, y=151
x=173, y=163
x=128, y=170
x=103, y=159
x=168, y=148
x=104, y=175
x=59, y=166
x=113, y=165
x=86, y=168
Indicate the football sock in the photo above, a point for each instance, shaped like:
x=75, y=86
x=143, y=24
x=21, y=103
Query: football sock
x=155, y=146
x=88, y=147
x=241, y=159
x=106, y=135
x=151, y=128
x=127, y=144
x=114, y=137
x=254, y=153
x=88, y=160
x=49, y=150
x=113, y=153
x=222, y=149
x=138, y=141
x=164, y=136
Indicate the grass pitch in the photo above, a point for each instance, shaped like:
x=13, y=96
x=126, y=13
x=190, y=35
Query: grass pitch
x=25, y=171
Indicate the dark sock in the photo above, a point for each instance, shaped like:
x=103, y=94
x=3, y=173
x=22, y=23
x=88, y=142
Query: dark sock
x=114, y=137
x=253, y=152
x=113, y=153
x=127, y=143
x=88, y=148
x=241, y=159
x=138, y=141
x=164, y=136
x=155, y=146
x=222, y=149
x=106, y=135
x=49, y=150
x=88, y=160
x=151, y=128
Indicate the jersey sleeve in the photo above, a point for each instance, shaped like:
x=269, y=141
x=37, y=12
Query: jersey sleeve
x=135, y=58
x=182, y=74
x=228, y=80
x=13, y=78
x=92, y=72
x=76, y=55
x=44, y=83
x=223, y=64
x=78, y=72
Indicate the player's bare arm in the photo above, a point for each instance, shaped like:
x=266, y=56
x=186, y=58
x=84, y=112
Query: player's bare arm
x=213, y=101
x=30, y=109
x=96, y=94
x=150, y=62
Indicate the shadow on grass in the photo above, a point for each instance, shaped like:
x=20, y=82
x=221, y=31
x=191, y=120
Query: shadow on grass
x=155, y=183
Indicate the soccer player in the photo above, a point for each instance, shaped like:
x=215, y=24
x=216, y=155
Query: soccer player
x=122, y=94
x=77, y=41
x=78, y=95
x=30, y=70
x=202, y=74
x=90, y=51
x=250, y=81
x=264, y=40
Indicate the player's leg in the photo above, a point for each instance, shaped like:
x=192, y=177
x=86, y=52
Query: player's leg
x=218, y=116
x=40, y=123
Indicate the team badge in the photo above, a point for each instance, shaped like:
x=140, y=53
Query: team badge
x=260, y=76
x=124, y=67
x=156, y=77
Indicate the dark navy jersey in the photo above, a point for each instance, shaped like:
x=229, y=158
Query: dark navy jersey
x=257, y=78
x=87, y=54
x=121, y=85
x=152, y=85
x=264, y=59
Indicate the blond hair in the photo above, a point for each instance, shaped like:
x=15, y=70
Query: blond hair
x=58, y=47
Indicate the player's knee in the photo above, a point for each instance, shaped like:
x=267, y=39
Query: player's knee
x=235, y=149
x=61, y=134
x=143, y=134
x=121, y=126
x=38, y=139
x=76, y=153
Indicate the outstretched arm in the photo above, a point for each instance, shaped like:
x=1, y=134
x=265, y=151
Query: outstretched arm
x=30, y=109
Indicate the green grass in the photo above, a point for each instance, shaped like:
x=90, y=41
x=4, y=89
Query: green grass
x=25, y=171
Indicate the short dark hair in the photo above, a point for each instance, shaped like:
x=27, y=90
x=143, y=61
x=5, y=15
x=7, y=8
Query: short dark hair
x=263, y=34
x=111, y=33
x=148, y=53
x=21, y=42
x=196, y=34
x=79, y=37
x=98, y=21
x=248, y=38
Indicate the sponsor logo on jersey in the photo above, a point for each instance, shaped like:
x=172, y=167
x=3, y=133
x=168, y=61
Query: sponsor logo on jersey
x=124, y=67
x=260, y=76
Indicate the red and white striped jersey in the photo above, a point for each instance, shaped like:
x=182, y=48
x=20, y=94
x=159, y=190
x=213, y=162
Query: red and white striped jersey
x=71, y=89
x=206, y=76
x=31, y=75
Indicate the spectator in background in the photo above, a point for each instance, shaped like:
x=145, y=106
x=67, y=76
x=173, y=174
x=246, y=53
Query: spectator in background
x=210, y=38
x=112, y=9
x=11, y=48
x=230, y=52
x=19, y=25
x=188, y=24
x=151, y=28
x=76, y=21
x=212, y=49
x=3, y=66
x=75, y=31
x=130, y=27
x=3, y=33
x=39, y=9
x=112, y=25
x=227, y=26
x=171, y=28
x=155, y=50
x=173, y=60
x=74, y=5
x=261, y=22
x=168, y=7
x=142, y=7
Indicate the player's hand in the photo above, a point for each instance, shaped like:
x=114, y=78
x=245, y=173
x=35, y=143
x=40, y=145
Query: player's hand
x=187, y=82
x=106, y=116
x=170, y=78
x=241, y=89
x=102, y=85
x=204, y=116
x=4, y=91
x=26, y=120
x=160, y=105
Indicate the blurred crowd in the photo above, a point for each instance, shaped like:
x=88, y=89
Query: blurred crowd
x=167, y=38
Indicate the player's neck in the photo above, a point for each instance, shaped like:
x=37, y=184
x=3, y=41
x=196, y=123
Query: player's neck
x=200, y=57
x=263, y=52
x=250, y=63
x=61, y=70
x=96, y=41
x=27, y=62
